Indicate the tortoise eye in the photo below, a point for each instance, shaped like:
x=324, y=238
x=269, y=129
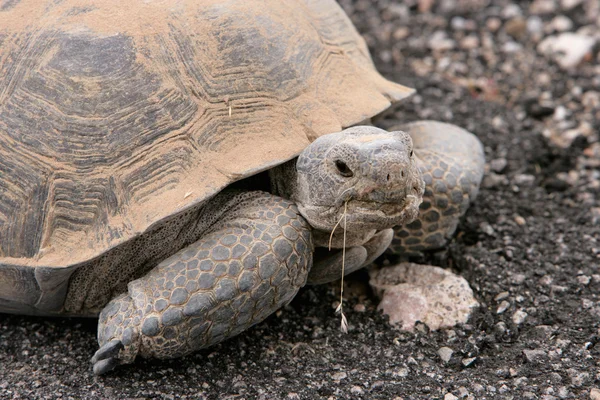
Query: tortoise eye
x=343, y=169
x=411, y=153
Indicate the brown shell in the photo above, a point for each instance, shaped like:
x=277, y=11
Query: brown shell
x=115, y=115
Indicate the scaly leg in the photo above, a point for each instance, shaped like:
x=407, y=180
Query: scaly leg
x=452, y=163
x=249, y=263
x=328, y=264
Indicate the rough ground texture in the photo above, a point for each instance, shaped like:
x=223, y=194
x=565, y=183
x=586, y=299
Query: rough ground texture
x=530, y=246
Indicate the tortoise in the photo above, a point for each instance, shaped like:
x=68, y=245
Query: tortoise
x=177, y=167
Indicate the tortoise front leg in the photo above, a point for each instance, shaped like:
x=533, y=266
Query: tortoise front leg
x=327, y=265
x=452, y=163
x=248, y=264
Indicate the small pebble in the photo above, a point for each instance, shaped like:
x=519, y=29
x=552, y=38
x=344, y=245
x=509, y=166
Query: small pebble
x=578, y=378
x=524, y=179
x=499, y=165
x=516, y=27
x=595, y=215
x=338, y=376
x=584, y=280
x=502, y=307
x=519, y=317
x=501, y=296
x=477, y=388
x=440, y=42
x=445, y=354
x=458, y=23
x=545, y=280
x=560, y=113
x=492, y=180
x=401, y=33
x=591, y=99
x=569, y=4
x=535, y=356
x=561, y=23
x=469, y=42
x=360, y=307
x=487, y=228
x=500, y=328
x=542, y=7
x=535, y=25
x=493, y=24
x=512, y=10
x=567, y=49
x=467, y=362
x=357, y=390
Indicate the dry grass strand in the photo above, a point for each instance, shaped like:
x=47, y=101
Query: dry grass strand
x=339, y=309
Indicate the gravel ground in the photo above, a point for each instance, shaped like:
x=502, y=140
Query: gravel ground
x=529, y=247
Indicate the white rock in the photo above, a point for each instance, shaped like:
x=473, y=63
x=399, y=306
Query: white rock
x=560, y=113
x=591, y=100
x=511, y=11
x=569, y=4
x=440, y=42
x=567, y=49
x=338, y=376
x=503, y=307
x=535, y=24
x=561, y=23
x=519, y=317
x=469, y=42
x=398, y=10
x=535, y=356
x=445, y=353
x=411, y=292
x=542, y=7
x=357, y=390
x=524, y=179
x=493, y=24
x=458, y=23
x=466, y=362
x=511, y=47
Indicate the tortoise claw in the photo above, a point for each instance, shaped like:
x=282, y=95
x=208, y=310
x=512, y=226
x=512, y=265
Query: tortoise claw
x=103, y=366
x=105, y=359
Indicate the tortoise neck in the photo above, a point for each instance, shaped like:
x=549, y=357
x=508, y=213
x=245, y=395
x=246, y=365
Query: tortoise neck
x=284, y=180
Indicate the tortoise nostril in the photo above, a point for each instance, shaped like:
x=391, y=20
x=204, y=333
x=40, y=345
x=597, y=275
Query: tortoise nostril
x=402, y=173
x=388, y=177
x=343, y=169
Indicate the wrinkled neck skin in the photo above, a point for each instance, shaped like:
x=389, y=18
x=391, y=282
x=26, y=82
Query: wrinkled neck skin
x=284, y=183
x=370, y=174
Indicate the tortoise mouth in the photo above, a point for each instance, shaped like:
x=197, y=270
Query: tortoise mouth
x=377, y=210
x=369, y=214
x=363, y=213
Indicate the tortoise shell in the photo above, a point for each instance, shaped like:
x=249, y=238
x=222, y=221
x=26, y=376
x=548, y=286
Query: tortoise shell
x=116, y=116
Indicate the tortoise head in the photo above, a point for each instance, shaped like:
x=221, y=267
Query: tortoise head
x=369, y=172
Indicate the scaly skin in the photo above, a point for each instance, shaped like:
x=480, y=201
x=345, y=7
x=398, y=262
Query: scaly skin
x=252, y=262
x=451, y=161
